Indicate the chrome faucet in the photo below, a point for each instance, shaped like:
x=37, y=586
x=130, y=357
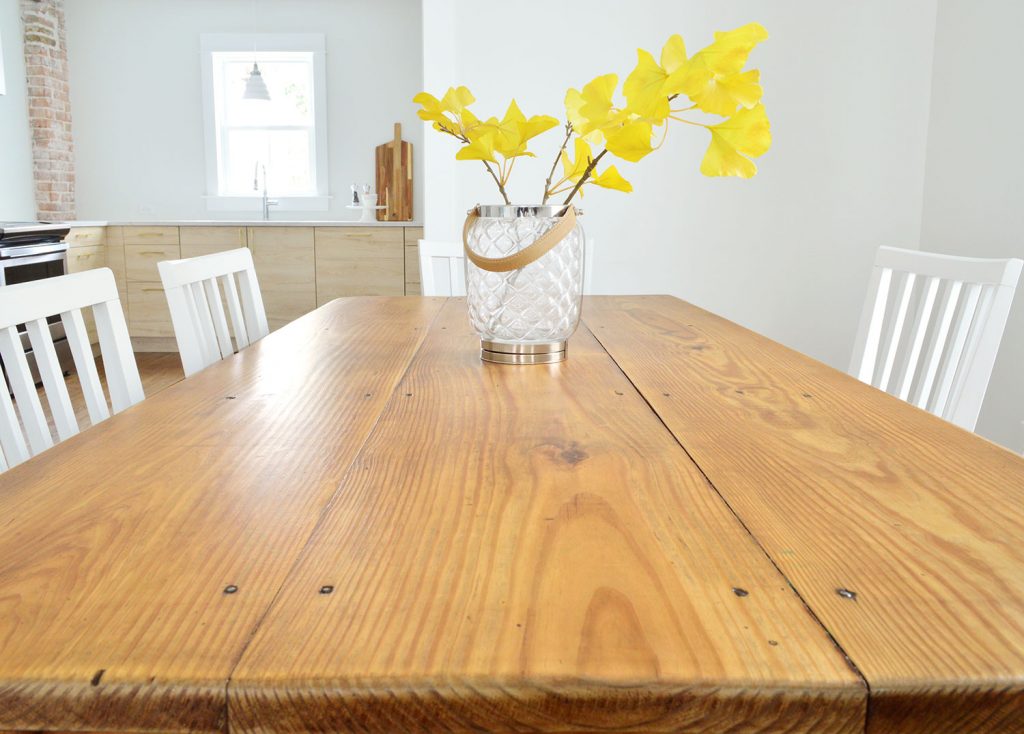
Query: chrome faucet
x=267, y=203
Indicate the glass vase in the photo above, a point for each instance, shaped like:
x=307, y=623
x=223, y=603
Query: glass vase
x=526, y=315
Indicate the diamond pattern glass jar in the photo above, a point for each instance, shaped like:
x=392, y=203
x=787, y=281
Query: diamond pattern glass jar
x=525, y=315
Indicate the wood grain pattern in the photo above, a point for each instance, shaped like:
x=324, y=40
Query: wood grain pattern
x=86, y=237
x=148, y=313
x=150, y=235
x=224, y=237
x=359, y=261
x=117, y=545
x=849, y=489
x=528, y=549
x=141, y=260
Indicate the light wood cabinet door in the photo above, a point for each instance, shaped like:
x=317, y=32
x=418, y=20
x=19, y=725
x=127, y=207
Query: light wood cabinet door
x=359, y=261
x=286, y=270
x=148, y=314
x=115, y=261
x=141, y=260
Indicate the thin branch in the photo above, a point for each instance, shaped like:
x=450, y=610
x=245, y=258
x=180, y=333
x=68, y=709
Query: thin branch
x=583, y=179
x=558, y=156
x=501, y=188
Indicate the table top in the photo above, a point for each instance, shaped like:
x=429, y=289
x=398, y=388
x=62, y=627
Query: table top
x=355, y=524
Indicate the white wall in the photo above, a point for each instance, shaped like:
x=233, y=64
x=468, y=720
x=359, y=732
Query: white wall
x=17, y=197
x=787, y=253
x=974, y=198
x=137, y=106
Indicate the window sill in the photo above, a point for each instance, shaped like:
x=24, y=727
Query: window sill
x=255, y=203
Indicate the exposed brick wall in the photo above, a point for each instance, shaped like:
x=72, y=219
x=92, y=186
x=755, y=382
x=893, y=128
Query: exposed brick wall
x=49, y=108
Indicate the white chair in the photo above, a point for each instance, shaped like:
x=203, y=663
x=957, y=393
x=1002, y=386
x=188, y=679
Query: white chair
x=32, y=304
x=455, y=262
x=960, y=306
x=197, y=312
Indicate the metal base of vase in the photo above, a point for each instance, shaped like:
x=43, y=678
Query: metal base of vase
x=500, y=353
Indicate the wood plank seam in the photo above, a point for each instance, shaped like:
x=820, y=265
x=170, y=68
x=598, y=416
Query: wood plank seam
x=849, y=661
x=323, y=513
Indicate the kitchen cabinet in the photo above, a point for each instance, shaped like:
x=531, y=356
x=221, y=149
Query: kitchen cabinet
x=86, y=251
x=359, y=261
x=148, y=314
x=413, y=235
x=198, y=241
x=286, y=269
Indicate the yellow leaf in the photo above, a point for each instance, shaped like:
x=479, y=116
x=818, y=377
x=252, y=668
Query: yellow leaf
x=592, y=110
x=728, y=54
x=716, y=81
x=747, y=133
x=610, y=179
x=480, y=146
x=457, y=98
x=515, y=130
x=631, y=142
x=673, y=54
x=573, y=170
x=644, y=89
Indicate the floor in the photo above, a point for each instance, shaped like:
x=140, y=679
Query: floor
x=157, y=370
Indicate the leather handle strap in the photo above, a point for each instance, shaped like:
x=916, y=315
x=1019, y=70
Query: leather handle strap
x=527, y=255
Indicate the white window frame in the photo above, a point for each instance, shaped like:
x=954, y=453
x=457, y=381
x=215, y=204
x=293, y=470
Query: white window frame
x=262, y=42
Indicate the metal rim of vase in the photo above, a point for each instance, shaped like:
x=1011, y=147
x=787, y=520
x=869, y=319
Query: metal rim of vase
x=511, y=211
x=536, y=353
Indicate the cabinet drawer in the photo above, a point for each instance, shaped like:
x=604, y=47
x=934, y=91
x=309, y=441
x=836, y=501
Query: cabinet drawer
x=140, y=261
x=86, y=258
x=210, y=239
x=359, y=261
x=85, y=236
x=151, y=235
x=148, y=314
x=286, y=269
x=413, y=235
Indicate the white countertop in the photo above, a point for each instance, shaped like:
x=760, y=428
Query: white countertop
x=243, y=223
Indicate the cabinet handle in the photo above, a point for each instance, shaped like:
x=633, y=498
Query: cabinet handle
x=151, y=252
x=359, y=234
x=84, y=256
x=152, y=290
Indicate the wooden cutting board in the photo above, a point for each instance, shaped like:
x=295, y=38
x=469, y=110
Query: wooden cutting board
x=394, y=179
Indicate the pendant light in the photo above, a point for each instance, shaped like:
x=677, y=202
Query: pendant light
x=255, y=87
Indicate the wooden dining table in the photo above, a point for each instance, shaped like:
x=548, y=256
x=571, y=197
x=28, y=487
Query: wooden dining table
x=355, y=525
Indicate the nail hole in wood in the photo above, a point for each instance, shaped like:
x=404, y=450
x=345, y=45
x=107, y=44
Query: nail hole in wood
x=773, y=643
x=807, y=395
x=230, y=397
x=847, y=594
x=740, y=592
x=326, y=589
x=408, y=395
x=96, y=678
x=666, y=395
x=230, y=589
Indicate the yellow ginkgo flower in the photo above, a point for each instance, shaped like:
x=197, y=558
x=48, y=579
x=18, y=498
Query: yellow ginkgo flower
x=515, y=131
x=573, y=170
x=631, y=141
x=745, y=135
x=643, y=89
x=610, y=179
x=592, y=110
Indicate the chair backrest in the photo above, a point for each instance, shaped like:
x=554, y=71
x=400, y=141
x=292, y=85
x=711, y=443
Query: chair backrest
x=935, y=342
x=455, y=262
x=32, y=304
x=194, y=289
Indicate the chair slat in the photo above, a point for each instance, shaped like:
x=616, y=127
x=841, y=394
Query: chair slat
x=235, y=311
x=920, y=332
x=52, y=377
x=897, y=332
x=252, y=304
x=85, y=365
x=975, y=336
x=454, y=257
x=12, y=442
x=955, y=353
x=205, y=320
x=36, y=428
x=865, y=362
x=122, y=373
x=949, y=305
x=220, y=323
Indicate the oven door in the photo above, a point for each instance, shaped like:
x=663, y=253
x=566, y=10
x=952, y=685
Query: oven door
x=35, y=262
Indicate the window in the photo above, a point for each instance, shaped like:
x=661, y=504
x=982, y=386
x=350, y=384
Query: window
x=285, y=136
